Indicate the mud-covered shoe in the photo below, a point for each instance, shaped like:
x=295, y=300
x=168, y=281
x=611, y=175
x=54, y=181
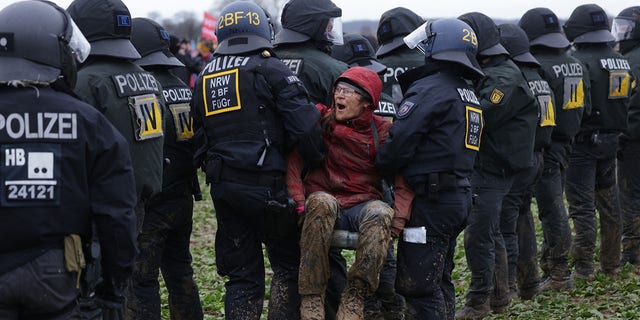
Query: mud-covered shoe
x=588, y=277
x=351, y=305
x=312, y=307
x=551, y=284
x=469, y=312
x=394, y=308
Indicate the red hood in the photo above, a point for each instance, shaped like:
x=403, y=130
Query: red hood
x=365, y=79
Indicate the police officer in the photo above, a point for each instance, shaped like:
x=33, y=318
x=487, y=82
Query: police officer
x=126, y=94
x=166, y=232
x=516, y=220
x=253, y=111
x=565, y=76
x=439, y=109
x=626, y=30
x=393, y=25
x=309, y=29
x=64, y=167
x=510, y=113
x=591, y=177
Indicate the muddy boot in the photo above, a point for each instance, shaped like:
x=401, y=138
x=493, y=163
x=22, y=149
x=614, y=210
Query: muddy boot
x=473, y=312
x=351, y=305
x=312, y=307
x=551, y=284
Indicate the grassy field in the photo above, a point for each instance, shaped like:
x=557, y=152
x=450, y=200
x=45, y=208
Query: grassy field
x=603, y=298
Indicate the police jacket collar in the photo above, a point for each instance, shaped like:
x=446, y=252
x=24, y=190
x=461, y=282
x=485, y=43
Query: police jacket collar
x=410, y=76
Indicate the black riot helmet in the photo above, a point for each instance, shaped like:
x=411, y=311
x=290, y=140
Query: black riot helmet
x=487, y=32
x=447, y=40
x=152, y=42
x=316, y=20
x=515, y=40
x=357, y=51
x=394, y=24
x=242, y=27
x=588, y=23
x=39, y=43
x=543, y=28
x=107, y=26
x=626, y=26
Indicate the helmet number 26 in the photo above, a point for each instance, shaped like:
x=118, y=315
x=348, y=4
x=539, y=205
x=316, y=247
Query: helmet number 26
x=234, y=18
x=470, y=36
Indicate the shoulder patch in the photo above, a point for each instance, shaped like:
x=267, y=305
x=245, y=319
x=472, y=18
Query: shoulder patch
x=405, y=109
x=292, y=79
x=496, y=96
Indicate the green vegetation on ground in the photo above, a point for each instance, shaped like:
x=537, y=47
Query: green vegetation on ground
x=603, y=298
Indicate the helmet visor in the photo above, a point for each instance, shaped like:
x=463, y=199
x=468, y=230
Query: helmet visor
x=622, y=29
x=417, y=38
x=78, y=43
x=333, y=33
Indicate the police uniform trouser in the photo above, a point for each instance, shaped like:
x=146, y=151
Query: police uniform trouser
x=164, y=245
x=591, y=184
x=39, y=290
x=549, y=191
x=240, y=211
x=370, y=219
x=483, y=243
x=518, y=231
x=629, y=182
x=425, y=252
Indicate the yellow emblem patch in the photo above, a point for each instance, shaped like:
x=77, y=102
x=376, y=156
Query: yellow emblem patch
x=496, y=96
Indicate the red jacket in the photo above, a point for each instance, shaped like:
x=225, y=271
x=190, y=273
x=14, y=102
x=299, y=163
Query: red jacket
x=348, y=172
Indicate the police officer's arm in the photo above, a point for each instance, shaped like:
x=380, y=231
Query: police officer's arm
x=495, y=93
x=113, y=198
x=300, y=116
x=405, y=134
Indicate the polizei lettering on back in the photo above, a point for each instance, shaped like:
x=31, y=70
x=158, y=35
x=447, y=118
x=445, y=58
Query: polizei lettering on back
x=135, y=83
x=225, y=62
x=39, y=125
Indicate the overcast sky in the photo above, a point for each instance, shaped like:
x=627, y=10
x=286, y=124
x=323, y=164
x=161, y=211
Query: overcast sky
x=372, y=9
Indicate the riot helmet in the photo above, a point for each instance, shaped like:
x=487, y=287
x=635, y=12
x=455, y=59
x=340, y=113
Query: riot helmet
x=39, y=43
x=152, y=42
x=588, y=23
x=626, y=26
x=447, y=40
x=394, y=24
x=107, y=26
x=242, y=27
x=487, y=33
x=357, y=51
x=543, y=28
x=515, y=40
x=316, y=20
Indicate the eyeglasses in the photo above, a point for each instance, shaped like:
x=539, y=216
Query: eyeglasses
x=344, y=90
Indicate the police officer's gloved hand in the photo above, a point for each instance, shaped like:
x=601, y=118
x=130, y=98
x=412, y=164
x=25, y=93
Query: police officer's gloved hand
x=300, y=212
x=110, y=298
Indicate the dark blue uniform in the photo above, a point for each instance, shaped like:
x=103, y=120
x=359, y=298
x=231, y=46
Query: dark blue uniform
x=433, y=143
x=63, y=167
x=252, y=111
